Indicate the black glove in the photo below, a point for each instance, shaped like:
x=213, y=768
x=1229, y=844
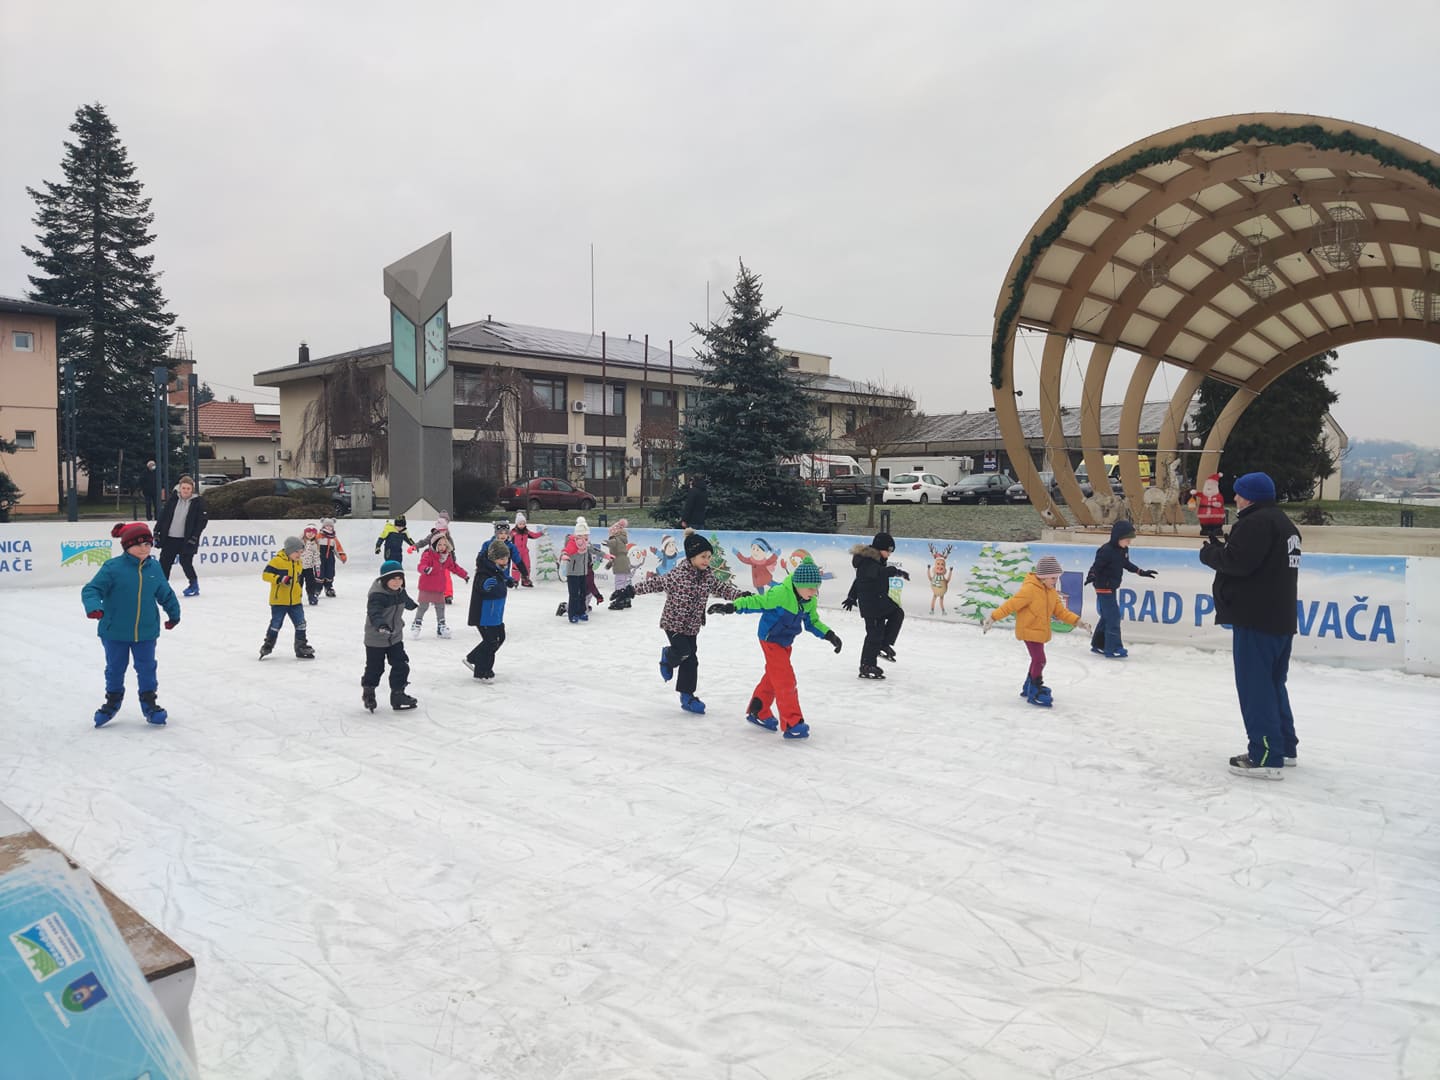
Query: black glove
x=834, y=639
x=510, y=583
x=192, y=543
x=1089, y=579
x=1147, y=573
x=900, y=573
x=747, y=593
x=627, y=593
x=720, y=609
x=848, y=603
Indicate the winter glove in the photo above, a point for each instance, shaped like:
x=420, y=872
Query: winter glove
x=834, y=639
x=510, y=583
x=377, y=549
x=1089, y=578
x=170, y=624
x=1083, y=625
x=343, y=557
x=285, y=579
x=720, y=609
x=411, y=549
x=1147, y=573
x=95, y=614
x=745, y=593
x=627, y=593
x=192, y=544
x=848, y=604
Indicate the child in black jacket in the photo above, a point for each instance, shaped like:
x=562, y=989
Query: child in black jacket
x=871, y=591
x=1111, y=562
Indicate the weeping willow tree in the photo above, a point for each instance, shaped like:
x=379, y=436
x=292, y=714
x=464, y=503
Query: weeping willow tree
x=351, y=412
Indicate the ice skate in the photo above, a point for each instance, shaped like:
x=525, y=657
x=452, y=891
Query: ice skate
x=798, y=731
x=303, y=651
x=1292, y=763
x=1025, y=690
x=330, y=591
x=415, y=631
x=401, y=700
x=666, y=671
x=887, y=653
x=871, y=671
x=469, y=664
x=268, y=645
x=691, y=703
x=442, y=631
x=105, y=713
x=367, y=697
x=769, y=723
x=193, y=589
x=1241, y=765
x=561, y=609
x=1040, y=694
x=154, y=714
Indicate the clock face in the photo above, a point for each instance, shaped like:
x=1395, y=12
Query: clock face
x=435, y=347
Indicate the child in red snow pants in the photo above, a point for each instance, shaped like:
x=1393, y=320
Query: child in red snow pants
x=777, y=686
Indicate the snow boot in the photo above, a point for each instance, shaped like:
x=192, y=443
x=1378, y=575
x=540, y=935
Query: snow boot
x=330, y=591
x=193, y=589
x=442, y=631
x=799, y=731
x=303, y=651
x=415, y=631
x=1241, y=765
x=1039, y=694
x=561, y=609
x=887, y=653
x=870, y=671
x=401, y=700
x=268, y=645
x=769, y=723
x=666, y=671
x=154, y=714
x=691, y=703
x=105, y=713
x=367, y=697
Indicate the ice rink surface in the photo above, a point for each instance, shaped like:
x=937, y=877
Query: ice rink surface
x=561, y=874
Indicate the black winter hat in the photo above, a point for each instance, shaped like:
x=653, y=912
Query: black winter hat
x=883, y=542
x=695, y=544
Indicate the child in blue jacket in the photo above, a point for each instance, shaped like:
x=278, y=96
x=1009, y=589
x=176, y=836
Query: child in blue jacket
x=1111, y=562
x=487, y=606
x=123, y=596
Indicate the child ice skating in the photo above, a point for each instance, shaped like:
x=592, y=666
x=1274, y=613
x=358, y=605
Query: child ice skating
x=1112, y=559
x=385, y=608
x=518, y=560
x=393, y=540
x=1035, y=603
x=871, y=590
x=310, y=560
x=487, y=606
x=786, y=609
x=574, y=566
x=521, y=534
x=686, y=589
x=440, y=528
x=123, y=596
x=436, y=566
x=618, y=544
x=330, y=550
x=287, y=591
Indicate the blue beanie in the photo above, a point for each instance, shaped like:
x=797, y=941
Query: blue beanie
x=1255, y=486
x=807, y=573
x=389, y=568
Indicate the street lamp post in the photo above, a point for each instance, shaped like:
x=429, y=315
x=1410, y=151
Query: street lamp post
x=874, y=457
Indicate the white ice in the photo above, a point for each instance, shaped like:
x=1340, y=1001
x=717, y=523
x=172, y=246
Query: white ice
x=563, y=875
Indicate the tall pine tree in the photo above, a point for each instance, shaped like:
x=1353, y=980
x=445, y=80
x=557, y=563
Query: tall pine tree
x=93, y=228
x=1281, y=433
x=752, y=413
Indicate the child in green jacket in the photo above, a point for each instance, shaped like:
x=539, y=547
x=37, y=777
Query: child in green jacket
x=785, y=609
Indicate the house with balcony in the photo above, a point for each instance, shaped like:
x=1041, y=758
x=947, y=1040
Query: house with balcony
x=30, y=399
x=601, y=411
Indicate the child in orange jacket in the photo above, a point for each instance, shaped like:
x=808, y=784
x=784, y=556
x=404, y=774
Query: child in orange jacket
x=1034, y=605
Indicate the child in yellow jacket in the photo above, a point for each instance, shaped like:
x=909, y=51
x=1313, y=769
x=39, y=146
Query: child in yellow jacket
x=1034, y=605
x=287, y=595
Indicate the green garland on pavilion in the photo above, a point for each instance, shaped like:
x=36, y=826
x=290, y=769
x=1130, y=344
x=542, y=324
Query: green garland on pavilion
x=1309, y=134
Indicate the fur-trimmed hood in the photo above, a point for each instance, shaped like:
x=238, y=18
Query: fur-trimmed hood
x=865, y=551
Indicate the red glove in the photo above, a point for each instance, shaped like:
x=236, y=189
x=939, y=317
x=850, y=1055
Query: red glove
x=411, y=549
x=343, y=557
x=285, y=579
x=95, y=614
x=170, y=624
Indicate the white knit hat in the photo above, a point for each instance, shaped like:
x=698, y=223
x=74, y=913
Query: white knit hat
x=581, y=527
x=519, y=517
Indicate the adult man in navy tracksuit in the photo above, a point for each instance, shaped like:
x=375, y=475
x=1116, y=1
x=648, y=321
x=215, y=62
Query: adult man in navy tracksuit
x=1257, y=574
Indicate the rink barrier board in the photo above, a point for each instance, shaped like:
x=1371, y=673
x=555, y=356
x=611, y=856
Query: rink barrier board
x=1372, y=611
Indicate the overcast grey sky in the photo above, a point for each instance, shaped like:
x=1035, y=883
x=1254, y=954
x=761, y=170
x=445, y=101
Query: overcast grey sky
x=874, y=163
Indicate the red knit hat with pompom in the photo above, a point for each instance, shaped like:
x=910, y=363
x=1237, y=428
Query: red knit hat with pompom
x=137, y=532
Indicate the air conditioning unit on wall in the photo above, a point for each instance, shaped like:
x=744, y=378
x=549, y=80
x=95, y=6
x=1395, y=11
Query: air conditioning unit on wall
x=282, y=455
x=634, y=462
x=577, y=406
x=260, y=459
x=577, y=459
x=578, y=449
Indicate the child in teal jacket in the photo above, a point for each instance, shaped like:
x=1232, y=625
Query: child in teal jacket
x=787, y=609
x=122, y=597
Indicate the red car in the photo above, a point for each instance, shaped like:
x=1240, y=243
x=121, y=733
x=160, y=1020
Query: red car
x=544, y=493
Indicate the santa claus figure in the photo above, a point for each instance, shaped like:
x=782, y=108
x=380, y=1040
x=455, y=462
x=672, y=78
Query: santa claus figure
x=1210, y=506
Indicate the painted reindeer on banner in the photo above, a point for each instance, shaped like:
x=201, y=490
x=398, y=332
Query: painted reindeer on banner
x=940, y=576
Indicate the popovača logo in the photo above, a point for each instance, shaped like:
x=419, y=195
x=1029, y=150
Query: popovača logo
x=85, y=552
x=47, y=946
x=84, y=993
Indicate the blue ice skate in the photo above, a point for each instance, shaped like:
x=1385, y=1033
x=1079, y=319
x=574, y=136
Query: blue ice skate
x=666, y=671
x=691, y=703
x=106, y=712
x=799, y=731
x=769, y=723
x=154, y=714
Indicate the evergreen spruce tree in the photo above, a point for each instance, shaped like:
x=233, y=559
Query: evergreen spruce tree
x=752, y=413
x=1281, y=433
x=94, y=227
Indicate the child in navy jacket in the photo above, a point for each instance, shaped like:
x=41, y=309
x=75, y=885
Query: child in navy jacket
x=1111, y=562
x=487, y=606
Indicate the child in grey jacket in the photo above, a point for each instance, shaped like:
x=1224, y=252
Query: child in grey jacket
x=574, y=565
x=385, y=609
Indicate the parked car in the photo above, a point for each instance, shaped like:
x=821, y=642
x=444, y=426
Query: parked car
x=914, y=488
x=206, y=481
x=980, y=489
x=341, y=484
x=544, y=493
x=854, y=489
x=1016, y=493
x=339, y=500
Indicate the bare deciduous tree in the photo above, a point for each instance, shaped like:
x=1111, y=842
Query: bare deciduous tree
x=890, y=422
x=352, y=407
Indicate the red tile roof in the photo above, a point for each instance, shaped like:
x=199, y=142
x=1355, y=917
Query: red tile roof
x=234, y=420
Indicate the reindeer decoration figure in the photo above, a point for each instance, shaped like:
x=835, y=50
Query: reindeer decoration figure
x=940, y=576
x=1163, y=500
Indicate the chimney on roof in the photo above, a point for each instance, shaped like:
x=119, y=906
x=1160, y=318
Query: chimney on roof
x=304, y=353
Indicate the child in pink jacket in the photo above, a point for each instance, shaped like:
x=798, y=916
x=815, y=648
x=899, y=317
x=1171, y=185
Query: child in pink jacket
x=436, y=566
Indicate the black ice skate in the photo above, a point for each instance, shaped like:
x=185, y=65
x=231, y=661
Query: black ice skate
x=330, y=591
x=303, y=651
x=870, y=671
x=268, y=645
x=401, y=700
x=887, y=653
x=367, y=697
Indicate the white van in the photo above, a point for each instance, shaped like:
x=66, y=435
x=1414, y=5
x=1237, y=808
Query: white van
x=818, y=468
